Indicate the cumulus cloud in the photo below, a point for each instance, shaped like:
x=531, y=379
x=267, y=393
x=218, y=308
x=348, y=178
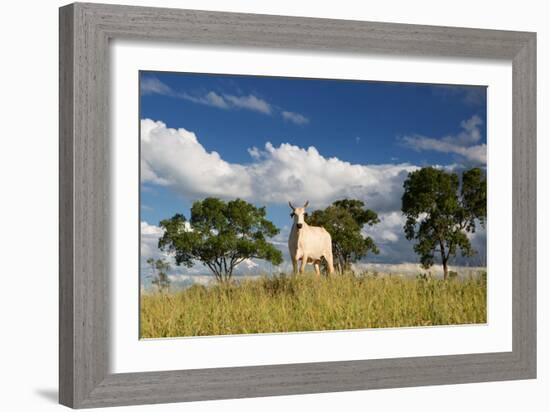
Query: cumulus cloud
x=388, y=230
x=293, y=117
x=479, y=243
x=175, y=158
x=464, y=144
x=389, y=236
x=150, y=235
x=395, y=248
x=254, y=153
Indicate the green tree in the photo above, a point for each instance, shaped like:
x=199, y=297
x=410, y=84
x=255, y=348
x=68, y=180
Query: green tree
x=159, y=270
x=440, y=211
x=344, y=220
x=221, y=235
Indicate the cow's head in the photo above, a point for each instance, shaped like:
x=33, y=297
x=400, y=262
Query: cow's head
x=298, y=214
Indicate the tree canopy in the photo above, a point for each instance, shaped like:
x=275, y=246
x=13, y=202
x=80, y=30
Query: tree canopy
x=344, y=220
x=221, y=235
x=441, y=210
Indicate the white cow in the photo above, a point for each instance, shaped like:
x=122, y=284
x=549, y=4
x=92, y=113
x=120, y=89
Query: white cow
x=308, y=243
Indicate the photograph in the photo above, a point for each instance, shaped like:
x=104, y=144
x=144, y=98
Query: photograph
x=275, y=205
x=284, y=204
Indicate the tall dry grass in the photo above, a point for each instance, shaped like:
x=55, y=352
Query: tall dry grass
x=305, y=303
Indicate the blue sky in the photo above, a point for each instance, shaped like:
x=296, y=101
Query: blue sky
x=270, y=140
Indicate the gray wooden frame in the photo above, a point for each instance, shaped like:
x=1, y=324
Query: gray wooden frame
x=85, y=31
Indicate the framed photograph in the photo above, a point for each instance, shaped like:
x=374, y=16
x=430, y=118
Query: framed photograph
x=257, y=205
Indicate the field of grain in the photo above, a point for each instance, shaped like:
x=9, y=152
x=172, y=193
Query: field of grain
x=305, y=303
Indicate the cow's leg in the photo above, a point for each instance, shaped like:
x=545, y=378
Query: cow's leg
x=303, y=265
x=330, y=262
x=317, y=269
x=294, y=265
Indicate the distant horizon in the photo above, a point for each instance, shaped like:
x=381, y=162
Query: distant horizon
x=405, y=269
x=273, y=140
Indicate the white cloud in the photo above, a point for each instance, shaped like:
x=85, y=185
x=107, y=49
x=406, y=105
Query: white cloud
x=296, y=118
x=249, y=102
x=152, y=85
x=389, y=236
x=176, y=158
x=226, y=101
x=388, y=230
x=209, y=99
x=413, y=269
x=462, y=144
x=471, y=133
x=150, y=235
x=254, y=152
x=182, y=280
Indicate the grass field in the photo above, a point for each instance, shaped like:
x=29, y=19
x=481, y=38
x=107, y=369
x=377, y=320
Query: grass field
x=305, y=303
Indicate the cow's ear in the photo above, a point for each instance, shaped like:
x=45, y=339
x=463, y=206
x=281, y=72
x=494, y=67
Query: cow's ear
x=306, y=215
x=292, y=214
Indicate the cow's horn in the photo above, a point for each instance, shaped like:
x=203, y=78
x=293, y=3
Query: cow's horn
x=290, y=204
x=307, y=203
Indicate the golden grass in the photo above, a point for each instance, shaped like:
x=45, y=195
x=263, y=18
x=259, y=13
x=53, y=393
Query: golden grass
x=305, y=303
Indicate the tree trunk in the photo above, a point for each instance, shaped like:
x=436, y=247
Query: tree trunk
x=444, y=259
x=341, y=266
